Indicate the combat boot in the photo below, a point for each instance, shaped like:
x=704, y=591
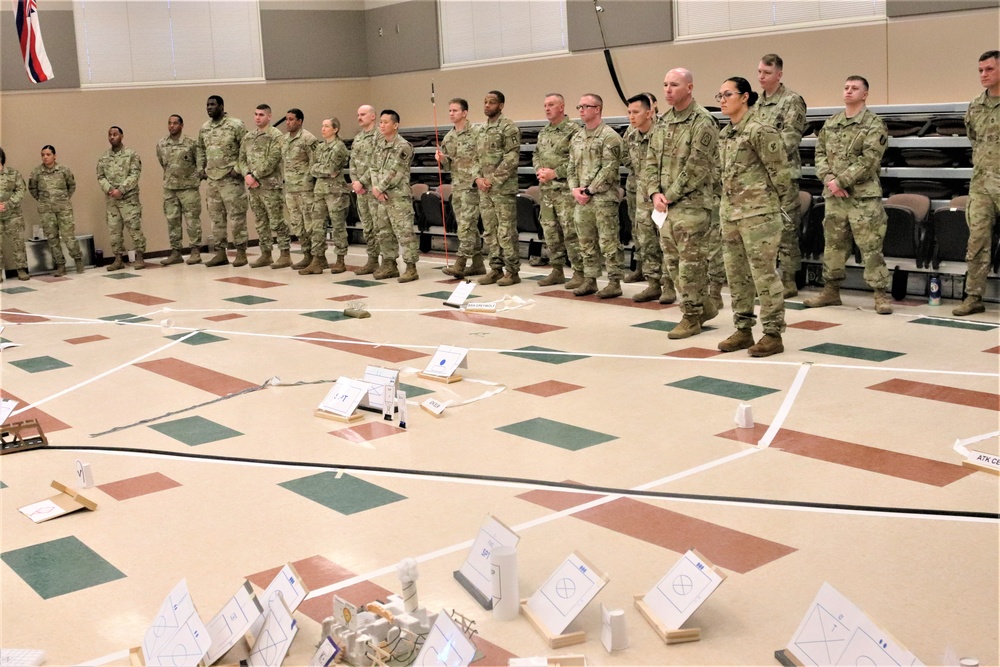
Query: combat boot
x=389, y=269
x=555, y=277
x=241, y=255
x=708, y=311
x=220, y=257
x=116, y=265
x=973, y=304
x=510, y=278
x=611, y=290
x=741, y=340
x=339, y=266
x=882, y=303
x=789, y=284
x=768, y=344
x=79, y=264
x=173, y=258
x=478, y=268
x=575, y=281
x=538, y=261
x=60, y=270
x=371, y=266
x=651, y=293
x=307, y=259
x=715, y=295
x=634, y=276
x=667, y=292
x=410, y=274
x=830, y=296
x=687, y=327
x=194, y=257
x=315, y=267
x=262, y=261
x=22, y=274
x=456, y=270
x=491, y=277
x=138, y=264
x=284, y=260
x=588, y=286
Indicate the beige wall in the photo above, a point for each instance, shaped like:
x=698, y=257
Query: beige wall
x=926, y=59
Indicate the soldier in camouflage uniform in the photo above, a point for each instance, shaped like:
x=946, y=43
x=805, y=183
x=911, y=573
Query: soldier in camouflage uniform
x=755, y=177
x=218, y=150
x=260, y=164
x=11, y=220
x=499, y=146
x=550, y=160
x=118, y=172
x=848, y=158
x=679, y=179
x=178, y=156
x=361, y=154
x=331, y=197
x=457, y=155
x=649, y=254
x=297, y=159
x=595, y=157
x=390, y=177
x=982, y=123
x=52, y=185
x=785, y=111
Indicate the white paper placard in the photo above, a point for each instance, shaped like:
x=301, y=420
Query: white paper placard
x=177, y=632
x=271, y=645
x=289, y=586
x=345, y=396
x=682, y=590
x=379, y=378
x=446, y=360
x=481, y=307
x=565, y=593
x=325, y=654
x=659, y=218
x=476, y=568
x=446, y=645
x=983, y=459
x=7, y=406
x=43, y=510
x=233, y=621
x=434, y=406
x=345, y=612
x=461, y=293
x=84, y=475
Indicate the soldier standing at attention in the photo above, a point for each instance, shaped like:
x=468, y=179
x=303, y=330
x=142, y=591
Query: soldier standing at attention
x=297, y=158
x=330, y=195
x=361, y=155
x=499, y=153
x=11, y=220
x=52, y=185
x=785, y=111
x=649, y=255
x=457, y=155
x=178, y=156
x=594, y=160
x=551, y=160
x=848, y=156
x=982, y=123
x=260, y=164
x=679, y=179
x=218, y=150
x=390, y=176
x=118, y=172
x=755, y=175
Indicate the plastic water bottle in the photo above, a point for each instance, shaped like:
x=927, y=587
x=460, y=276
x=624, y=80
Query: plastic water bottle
x=934, y=297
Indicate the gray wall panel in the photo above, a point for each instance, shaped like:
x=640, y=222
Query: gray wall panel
x=625, y=23
x=402, y=37
x=313, y=44
x=897, y=8
x=59, y=38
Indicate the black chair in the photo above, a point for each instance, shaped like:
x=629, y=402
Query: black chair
x=813, y=240
x=430, y=208
x=951, y=236
x=920, y=205
x=901, y=234
x=528, y=223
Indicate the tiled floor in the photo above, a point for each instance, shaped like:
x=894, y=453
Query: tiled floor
x=578, y=423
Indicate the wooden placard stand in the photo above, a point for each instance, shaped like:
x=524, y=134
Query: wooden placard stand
x=451, y=379
x=14, y=437
x=976, y=466
x=784, y=657
x=667, y=635
x=355, y=416
x=555, y=641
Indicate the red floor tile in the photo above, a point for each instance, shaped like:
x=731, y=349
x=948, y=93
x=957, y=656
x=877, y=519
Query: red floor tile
x=48, y=423
x=225, y=317
x=86, y=339
x=199, y=377
x=142, y=485
x=993, y=350
x=494, y=321
x=617, y=301
x=141, y=299
x=18, y=316
x=936, y=392
x=693, y=353
x=812, y=325
x=251, y=282
x=549, y=388
x=493, y=655
x=50, y=278
x=348, y=297
x=368, y=431
x=388, y=353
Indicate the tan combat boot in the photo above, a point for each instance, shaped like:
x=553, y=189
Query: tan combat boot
x=510, y=278
x=241, y=255
x=262, y=261
x=456, y=270
x=830, y=296
x=741, y=340
x=339, y=266
x=708, y=311
x=883, y=305
x=60, y=269
x=575, y=281
x=307, y=259
x=79, y=264
x=788, y=282
x=173, y=258
x=555, y=277
x=491, y=277
x=667, y=292
x=371, y=266
x=284, y=260
x=410, y=274
x=587, y=287
x=973, y=304
x=22, y=274
x=315, y=267
x=768, y=344
x=389, y=269
x=220, y=258
x=194, y=257
x=634, y=276
x=689, y=325
x=138, y=264
x=478, y=268
x=116, y=265
x=611, y=290
x=651, y=293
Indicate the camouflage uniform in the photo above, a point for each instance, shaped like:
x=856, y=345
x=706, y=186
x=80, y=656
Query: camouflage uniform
x=785, y=111
x=53, y=189
x=982, y=122
x=714, y=254
x=558, y=205
x=181, y=198
x=218, y=150
x=681, y=164
x=297, y=158
x=11, y=220
x=121, y=170
x=850, y=150
x=260, y=157
x=332, y=196
x=460, y=159
x=755, y=173
x=361, y=155
x=390, y=174
x=499, y=146
x=594, y=162
x=649, y=253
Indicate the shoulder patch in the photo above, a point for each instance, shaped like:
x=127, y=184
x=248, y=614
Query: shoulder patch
x=706, y=139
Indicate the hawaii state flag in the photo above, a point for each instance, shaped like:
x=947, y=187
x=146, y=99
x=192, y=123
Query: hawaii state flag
x=36, y=63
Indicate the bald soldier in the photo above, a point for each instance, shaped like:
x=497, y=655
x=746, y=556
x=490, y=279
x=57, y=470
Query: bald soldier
x=361, y=155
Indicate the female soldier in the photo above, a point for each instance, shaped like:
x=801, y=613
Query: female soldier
x=11, y=222
x=52, y=185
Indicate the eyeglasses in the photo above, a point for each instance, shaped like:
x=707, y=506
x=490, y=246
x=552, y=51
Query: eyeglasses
x=725, y=96
x=581, y=107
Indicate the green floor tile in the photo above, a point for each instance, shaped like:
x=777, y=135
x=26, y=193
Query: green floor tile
x=536, y=353
x=200, y=338
x=717, y=387
x=346, y=495
x=359, y=282
x=2, y=485
x=328, y=315
x=124, y=317
x=954, y=324
x=412, y=391
x=656, y=325
x=444, y=296
x=194, y=431
x=60, y=566
x=852, y=352
x=794, y=305
x=39, y=364
x=249, y=300
x=16, y=290
x=557, y=434
x=121, y=276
